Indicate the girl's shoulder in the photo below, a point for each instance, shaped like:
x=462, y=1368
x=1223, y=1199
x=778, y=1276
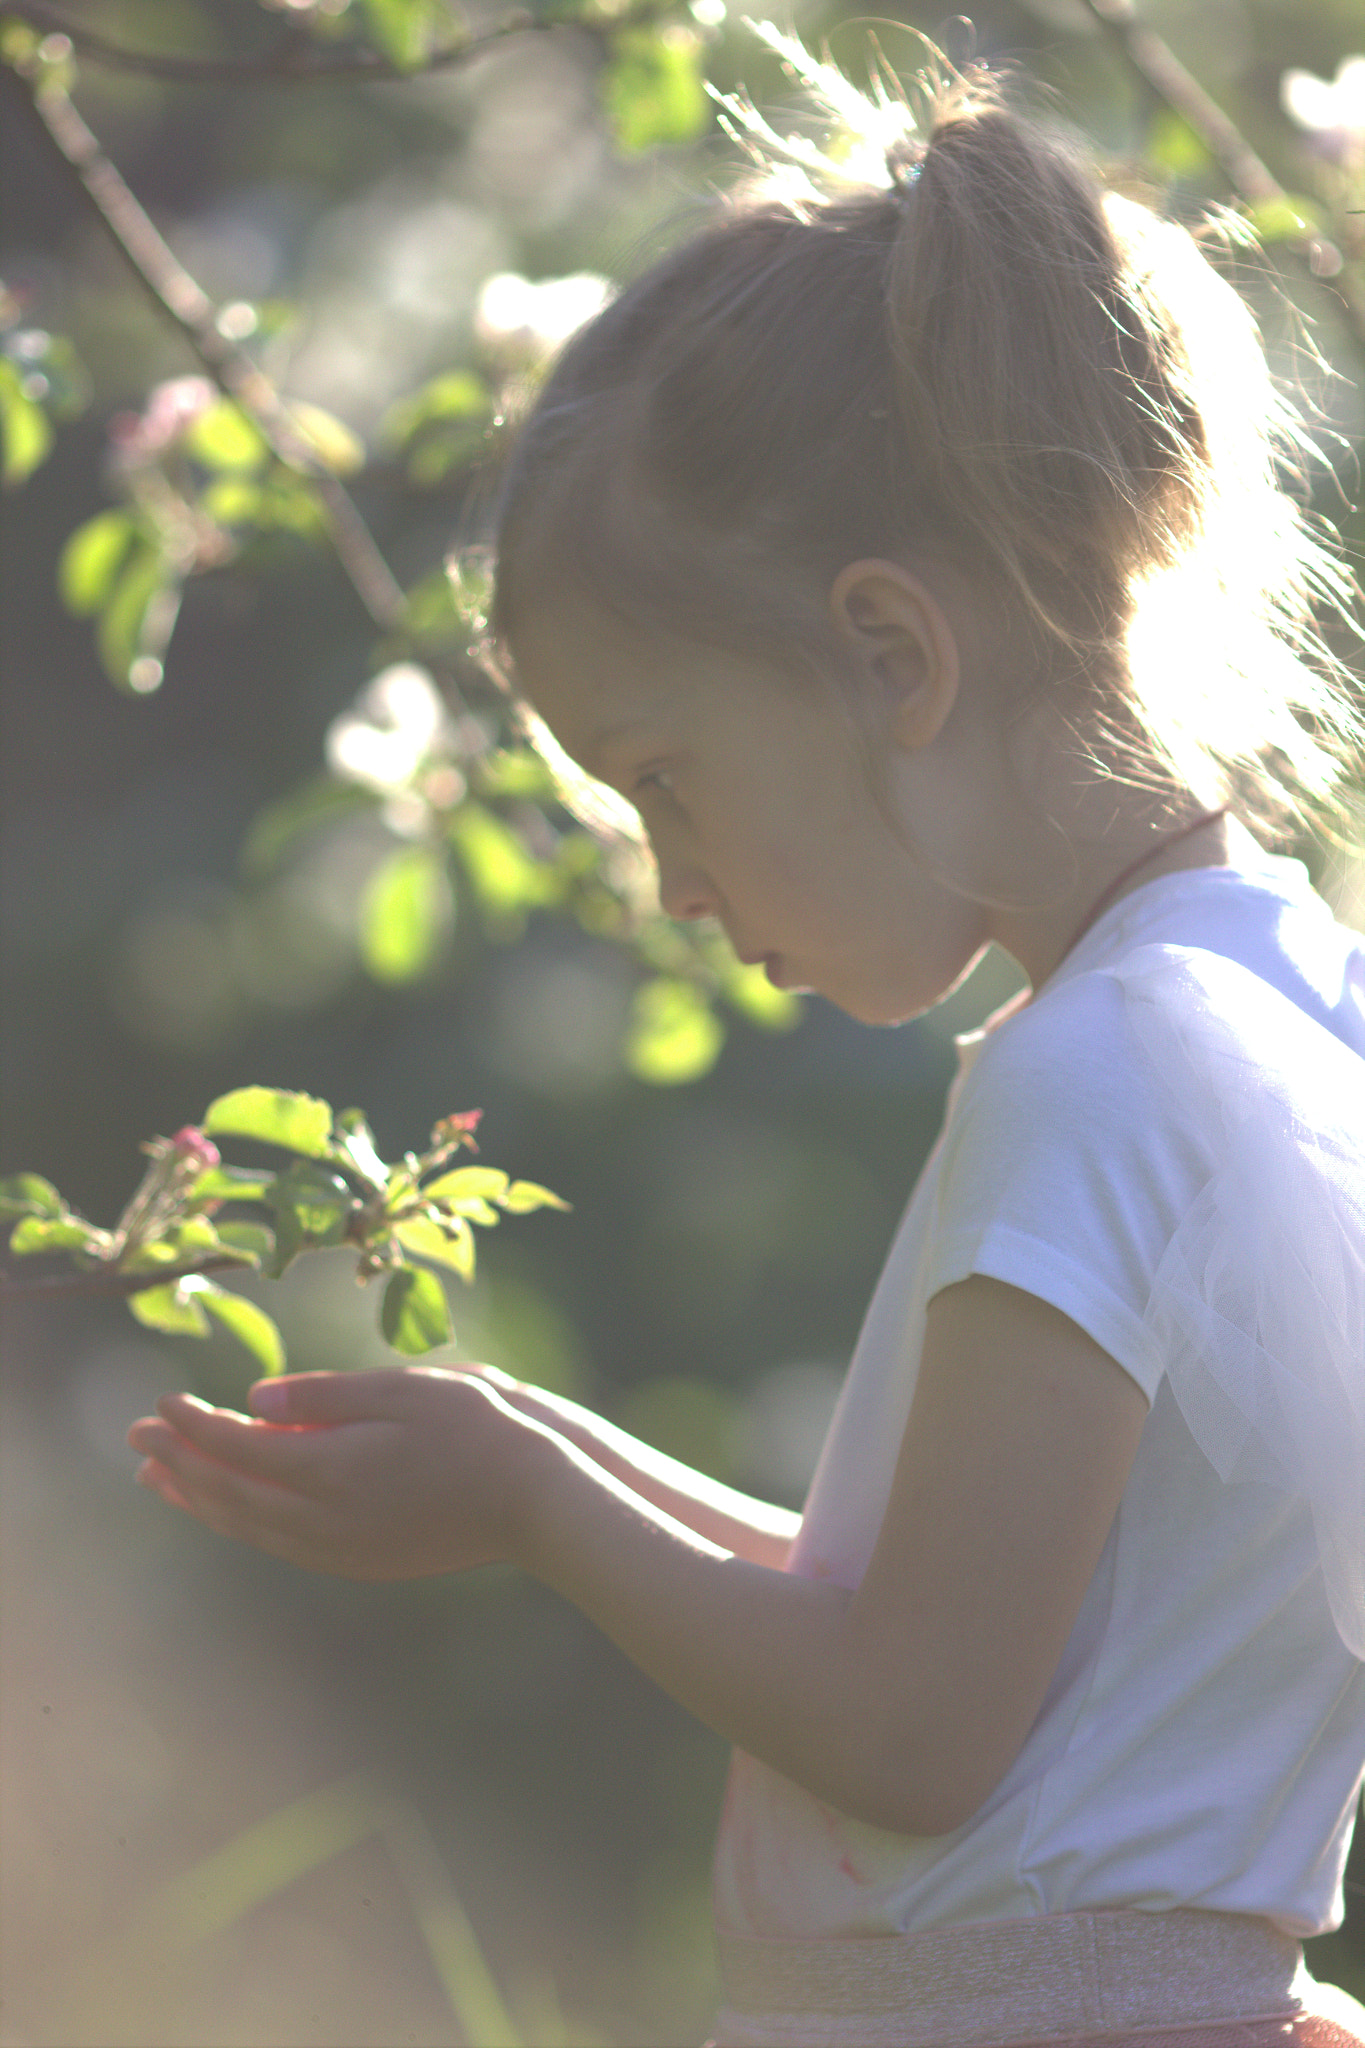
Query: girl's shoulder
x=1196, y=944
x=1260, y=912
x=1175, y=1044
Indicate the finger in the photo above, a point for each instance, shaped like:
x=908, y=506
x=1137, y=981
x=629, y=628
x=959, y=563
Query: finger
x=229, y=1502
x=158, y=1480
x=280, y=1457
x=190, y=1500
x=302, y=1399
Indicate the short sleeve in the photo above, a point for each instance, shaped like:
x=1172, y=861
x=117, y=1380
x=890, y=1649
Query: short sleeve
x=1172, y=1153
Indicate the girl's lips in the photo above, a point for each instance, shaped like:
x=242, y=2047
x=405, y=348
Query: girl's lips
x=771, y=963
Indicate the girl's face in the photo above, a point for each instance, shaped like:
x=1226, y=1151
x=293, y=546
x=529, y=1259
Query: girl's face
x=754, y=792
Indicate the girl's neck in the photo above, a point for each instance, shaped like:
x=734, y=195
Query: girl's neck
x=1042, y=940
x=1158, y=859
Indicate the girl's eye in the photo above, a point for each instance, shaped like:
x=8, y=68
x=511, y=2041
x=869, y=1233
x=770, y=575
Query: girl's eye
x=654, y=778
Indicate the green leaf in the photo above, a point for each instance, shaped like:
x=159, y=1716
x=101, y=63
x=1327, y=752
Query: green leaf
x=441, y=424
x=405, y=913
x=231, y=1184
x=91, y=559
x=448, y=1245
x=119, y=631
x=517, y=772
x=69, y=386
x=431, y=612
x=233, y=501
x=468, y=1183
x=173, y=1309
x=193, y=1238
x=673, y=1035
x=401, y=29
x=1285, y=218
x=507, y=879
x=26, y=428
x=311, y=1209
x=415, y=1316
x=65, y=1233
x=290, y=504
x=18, y=42
x=1176, y=148
x=256, y=1240
x=290, y=1239
x=273, y=1116
x=653, y=90
x=222, y=437
x=27, y=1194
x=440, y=449
x=455, y=395
x=250, y=1325
x=526, y=1195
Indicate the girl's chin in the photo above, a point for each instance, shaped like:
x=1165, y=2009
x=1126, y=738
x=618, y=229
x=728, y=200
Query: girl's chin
x=886, y=1008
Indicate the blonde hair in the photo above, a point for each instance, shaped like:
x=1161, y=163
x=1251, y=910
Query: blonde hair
x=965, y=349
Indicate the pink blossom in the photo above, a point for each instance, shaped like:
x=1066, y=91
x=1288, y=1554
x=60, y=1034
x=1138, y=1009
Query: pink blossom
x=172, y=406
x=190, y=1143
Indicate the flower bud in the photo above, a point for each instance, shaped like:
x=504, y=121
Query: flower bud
x=190, y=1143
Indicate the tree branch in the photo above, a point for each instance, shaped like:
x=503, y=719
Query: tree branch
x=180, y=298
x=295, y=59
x=113, y=1282
x=1157, y=65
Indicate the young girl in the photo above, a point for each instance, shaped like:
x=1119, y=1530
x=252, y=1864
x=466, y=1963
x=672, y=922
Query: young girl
x=912, y=557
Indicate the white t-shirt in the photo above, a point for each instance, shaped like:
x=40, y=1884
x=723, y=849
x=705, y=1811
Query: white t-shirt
x=1203, y=1740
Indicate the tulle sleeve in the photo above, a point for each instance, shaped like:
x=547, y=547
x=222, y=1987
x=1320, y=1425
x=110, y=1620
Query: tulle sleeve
x=1257, y=1306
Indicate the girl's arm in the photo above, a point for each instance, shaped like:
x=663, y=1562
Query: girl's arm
x=902, y=1702
x=752, y=1529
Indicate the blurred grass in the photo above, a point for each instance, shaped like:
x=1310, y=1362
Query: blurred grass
x=253, y=1867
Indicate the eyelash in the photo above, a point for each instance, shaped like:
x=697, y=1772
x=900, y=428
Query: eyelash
x=654, y=778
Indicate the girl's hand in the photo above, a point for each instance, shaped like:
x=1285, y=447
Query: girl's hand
x=372, y=1475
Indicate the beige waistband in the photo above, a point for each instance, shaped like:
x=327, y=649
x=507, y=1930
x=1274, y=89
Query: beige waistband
x=1009, y=1981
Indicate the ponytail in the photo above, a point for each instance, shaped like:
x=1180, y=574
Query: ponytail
x=1045, y=404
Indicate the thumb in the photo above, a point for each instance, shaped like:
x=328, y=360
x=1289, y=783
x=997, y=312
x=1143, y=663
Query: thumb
x=323, y=1397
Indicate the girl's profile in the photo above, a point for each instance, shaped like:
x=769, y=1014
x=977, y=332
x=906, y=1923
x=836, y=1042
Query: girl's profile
x=911, y=550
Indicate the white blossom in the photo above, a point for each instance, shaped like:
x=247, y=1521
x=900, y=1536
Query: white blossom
x=1332, y=109
x=399, y=721
x=516, y=317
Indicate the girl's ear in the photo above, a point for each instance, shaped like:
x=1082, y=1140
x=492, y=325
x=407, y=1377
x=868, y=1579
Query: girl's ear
x=899, y=636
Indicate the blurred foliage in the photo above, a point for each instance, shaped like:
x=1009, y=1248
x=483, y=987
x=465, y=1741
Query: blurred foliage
x=305, y=836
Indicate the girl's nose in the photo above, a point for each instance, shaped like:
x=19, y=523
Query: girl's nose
x=684, y=890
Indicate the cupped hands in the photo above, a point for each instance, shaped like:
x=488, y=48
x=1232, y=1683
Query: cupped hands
x=370, y=1475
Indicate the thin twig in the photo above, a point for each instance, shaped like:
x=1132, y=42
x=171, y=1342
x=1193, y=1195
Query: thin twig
x=112, y=1281
x=182, y=299
x=1249, y=176
x=295, y=59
